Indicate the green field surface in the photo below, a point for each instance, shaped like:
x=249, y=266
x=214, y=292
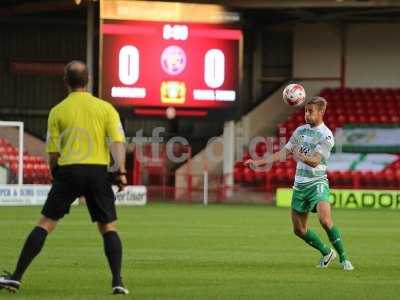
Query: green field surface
x=216, y=252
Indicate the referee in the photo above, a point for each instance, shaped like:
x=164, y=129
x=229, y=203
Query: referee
x=80, y=129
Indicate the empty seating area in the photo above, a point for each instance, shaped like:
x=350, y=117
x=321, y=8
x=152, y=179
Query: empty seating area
x=362, y=106
x=355, y=106
x=389, y=178
x=36, y=170
x=370, y=106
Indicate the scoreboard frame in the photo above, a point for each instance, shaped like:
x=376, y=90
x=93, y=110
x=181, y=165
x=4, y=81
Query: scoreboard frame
x=227, y=111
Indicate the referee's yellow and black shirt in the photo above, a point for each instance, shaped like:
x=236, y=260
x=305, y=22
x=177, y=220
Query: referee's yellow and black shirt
x=81, y=127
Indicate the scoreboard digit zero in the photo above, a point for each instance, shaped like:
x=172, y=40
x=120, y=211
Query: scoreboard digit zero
x=150, y=66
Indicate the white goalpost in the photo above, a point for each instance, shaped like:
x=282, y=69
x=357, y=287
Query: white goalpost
x=20, y=126
x=228, y=160
x=205, y=187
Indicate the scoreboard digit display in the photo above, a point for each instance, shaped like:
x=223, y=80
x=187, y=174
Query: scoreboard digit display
x=156, y=65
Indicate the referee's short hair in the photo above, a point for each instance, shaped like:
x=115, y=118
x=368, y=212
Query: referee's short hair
x=76, y=74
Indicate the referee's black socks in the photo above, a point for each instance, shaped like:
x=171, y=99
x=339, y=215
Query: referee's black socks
x=32, y=247
x=113, y=251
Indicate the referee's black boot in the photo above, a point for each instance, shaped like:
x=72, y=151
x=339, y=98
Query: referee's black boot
x=6, y=282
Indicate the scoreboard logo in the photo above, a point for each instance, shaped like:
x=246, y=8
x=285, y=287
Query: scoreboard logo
x=173, y=60
x=173, y=92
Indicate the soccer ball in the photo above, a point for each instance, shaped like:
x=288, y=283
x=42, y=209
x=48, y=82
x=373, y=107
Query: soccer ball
x=294, y=94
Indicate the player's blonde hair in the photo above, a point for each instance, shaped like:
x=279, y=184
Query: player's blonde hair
x=320, y=102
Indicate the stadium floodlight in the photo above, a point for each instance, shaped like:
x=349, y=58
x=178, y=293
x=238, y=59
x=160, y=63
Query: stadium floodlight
x=20, y=126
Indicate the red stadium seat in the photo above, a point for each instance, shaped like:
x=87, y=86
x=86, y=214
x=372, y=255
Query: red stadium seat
x=300, y=119
x=261, y=148
x=347, y=97
x=373, y=119
x=10, y=150
x=362, y=119
x=248, y=175
x=384, y=119
x=238, y=174
x=389, y=179
x=395, y=119
x=14, y=167
x=334, y=178
x=246, y=156
x=352, y=119
x=259, y=176
x=239, y=164
x=342, y=119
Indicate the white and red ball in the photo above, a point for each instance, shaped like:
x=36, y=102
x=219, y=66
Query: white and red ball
x=294, y=94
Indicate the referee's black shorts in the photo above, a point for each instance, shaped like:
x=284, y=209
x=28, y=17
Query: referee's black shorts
x=73, y=181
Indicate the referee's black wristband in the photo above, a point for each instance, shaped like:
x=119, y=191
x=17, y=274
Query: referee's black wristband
x=121, y=173
x=53, y=171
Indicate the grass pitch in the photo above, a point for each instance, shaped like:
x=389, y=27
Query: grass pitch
x=215, y=252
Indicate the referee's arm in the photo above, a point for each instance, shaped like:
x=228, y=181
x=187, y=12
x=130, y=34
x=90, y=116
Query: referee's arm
x=52, y=143
x=116, y=133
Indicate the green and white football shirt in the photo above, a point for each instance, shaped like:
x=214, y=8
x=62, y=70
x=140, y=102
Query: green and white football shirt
x=310, y=140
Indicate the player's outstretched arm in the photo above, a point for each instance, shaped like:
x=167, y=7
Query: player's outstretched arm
x=277, y=156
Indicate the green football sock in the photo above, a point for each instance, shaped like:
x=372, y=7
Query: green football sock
x=336, y=240
x=314, y=241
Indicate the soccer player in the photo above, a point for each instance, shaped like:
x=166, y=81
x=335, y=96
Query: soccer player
x=78, y=130
x=311, y=145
